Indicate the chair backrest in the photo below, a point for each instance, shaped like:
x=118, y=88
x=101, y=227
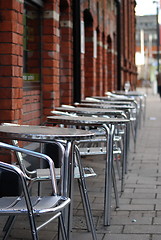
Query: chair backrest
x=10, y=184
x=63, y=113
x=19, y=156
x=15, y=173
x=40, y=156
x=110, y=94
x=57, y=155
x=60, y=113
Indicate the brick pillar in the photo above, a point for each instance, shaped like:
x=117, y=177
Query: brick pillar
x=90, y=63
x=82, y=60
x=99, y=66
x=114, y=83
x=110, y=64
x=50, y=56
x=105, y=66
x=66, y=56
x=134, y=78
x=11, y=60
x=126, y=43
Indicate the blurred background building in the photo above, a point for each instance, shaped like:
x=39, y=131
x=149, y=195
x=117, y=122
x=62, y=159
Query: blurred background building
x=148, y=48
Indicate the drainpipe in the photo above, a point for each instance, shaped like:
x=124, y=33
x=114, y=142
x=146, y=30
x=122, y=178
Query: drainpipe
x=118, y=5
x=76, y=52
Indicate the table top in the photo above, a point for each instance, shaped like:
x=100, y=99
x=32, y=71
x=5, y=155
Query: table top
x=130, y=93
x=113, y=99
x=109, y=103
x=42, y=133
x=105, y=105
x=85, y=121
x=91, y=111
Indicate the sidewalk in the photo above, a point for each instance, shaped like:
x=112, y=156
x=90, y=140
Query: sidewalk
x=139, y=215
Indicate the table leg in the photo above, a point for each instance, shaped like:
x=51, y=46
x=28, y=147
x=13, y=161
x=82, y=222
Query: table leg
x=126, y=146
x=67, y=185
x=124, y=159
x=85, y=199
x=108, y=173
x=67, y=188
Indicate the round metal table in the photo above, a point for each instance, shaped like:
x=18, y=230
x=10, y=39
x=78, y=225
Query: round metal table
x=86, y=111
x=42, y=133
x=106, y=105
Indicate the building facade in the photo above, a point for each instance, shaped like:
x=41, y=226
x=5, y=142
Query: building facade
x=148, y=48
x=55, y=52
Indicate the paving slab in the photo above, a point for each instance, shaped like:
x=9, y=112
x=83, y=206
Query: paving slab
x=127, y=237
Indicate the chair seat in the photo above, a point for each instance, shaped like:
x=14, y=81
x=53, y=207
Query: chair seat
x=97, y=151
x=17, y=205
x=44, y=173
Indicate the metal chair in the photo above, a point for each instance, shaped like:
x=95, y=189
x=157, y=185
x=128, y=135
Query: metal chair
x=32, y=205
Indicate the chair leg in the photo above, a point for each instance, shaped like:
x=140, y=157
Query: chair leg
x=84, y=204
x=33, y=226
x=62, y=227
x=8, y=225
x=39, y=189
x=118, y=165
x=122, y=177
x=115, y=187
x=85, y=197
x=124, y=161
x=133, y=131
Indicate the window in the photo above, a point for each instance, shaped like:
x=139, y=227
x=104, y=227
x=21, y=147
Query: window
x=109, y=4
x=32, y=46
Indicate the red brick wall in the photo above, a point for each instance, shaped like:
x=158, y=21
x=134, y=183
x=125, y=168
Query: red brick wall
x=97, y=74
x=11, y=53
x=31, y=107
